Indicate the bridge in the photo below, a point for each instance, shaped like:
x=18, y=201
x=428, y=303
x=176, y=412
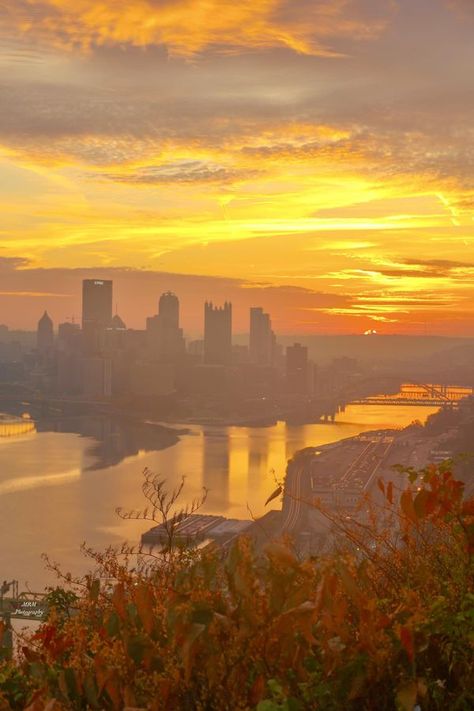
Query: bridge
x=427, y=395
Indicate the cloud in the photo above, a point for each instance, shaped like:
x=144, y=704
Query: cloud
x=187, y=27
x=36, y=294
x=444, y=266
x=446, y=270
x=8, y=264
x=181, y=172
x=320, y=143
x=465, y=8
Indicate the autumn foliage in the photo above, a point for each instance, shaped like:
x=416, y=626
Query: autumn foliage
x=385, y=620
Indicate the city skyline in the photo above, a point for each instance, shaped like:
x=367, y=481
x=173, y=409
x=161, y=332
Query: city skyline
x=136, y=302
x=97, y=313
x=316, y=150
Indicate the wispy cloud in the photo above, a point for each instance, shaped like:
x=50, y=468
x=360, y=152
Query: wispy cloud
x=186, y=27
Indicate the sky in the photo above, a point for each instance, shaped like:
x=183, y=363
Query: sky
x=314, y=157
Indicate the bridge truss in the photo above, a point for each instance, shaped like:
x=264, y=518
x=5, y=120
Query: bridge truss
x=422, y=394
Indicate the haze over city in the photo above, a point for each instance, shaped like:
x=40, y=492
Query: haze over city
x=313, y=157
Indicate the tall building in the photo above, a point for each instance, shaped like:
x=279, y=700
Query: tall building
x=168, y=310
x=45, y=334
x=68, y=335
x=97, y=377
x=297, y=369
x=217, y=334
x=96, y=312
x=262, y=338
x=165, y=337
x=196, y=349
x=118, y=324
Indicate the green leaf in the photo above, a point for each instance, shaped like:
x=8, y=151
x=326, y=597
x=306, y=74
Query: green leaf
x=268, y=705
x=91, y=691
x=71, y=684
x=202, y=617
x=113, y=625
x=136, y=649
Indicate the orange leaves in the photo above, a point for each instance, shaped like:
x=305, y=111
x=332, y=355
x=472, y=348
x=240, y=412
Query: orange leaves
x=257, y=690
x=439, y=496
x=390, y=492
x=409, y=692
x=407, y=695
x=144, y=601
x=406, y=638
x=39, y=704
x=118, y=600
x=299, y=620
x=407, y=506
x=350, y=583
x=468, y=508
x=387, y=491
x=280, y=554
x=424, y=503
x=190, y=646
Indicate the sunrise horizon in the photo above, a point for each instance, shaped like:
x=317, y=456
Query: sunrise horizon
x=313, y=160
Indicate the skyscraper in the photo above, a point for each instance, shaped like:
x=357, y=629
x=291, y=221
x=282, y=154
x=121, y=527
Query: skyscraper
x=69, y=358
x=96, y=312
x=168, y=310
x=297, y=369
x=217, y=334
x=165, y=337
x=262, y=338
x=45, y=334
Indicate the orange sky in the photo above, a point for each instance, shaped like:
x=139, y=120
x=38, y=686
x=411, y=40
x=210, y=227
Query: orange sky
x=313, y=157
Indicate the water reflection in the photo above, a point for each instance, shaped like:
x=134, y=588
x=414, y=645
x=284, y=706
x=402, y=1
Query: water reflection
x=58, y=488
x=114, y=438
x=215, y=467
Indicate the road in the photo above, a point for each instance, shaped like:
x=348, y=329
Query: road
x=293, y=497
x=345, y=487
x=365, y=467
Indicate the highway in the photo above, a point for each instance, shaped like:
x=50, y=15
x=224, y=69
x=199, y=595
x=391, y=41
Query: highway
x=356, y=479
x=364, y=468
x=293, y=483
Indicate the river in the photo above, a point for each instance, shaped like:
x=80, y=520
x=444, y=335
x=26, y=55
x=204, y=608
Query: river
x=58, y=489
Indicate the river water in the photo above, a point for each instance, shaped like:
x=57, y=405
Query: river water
x=58, y=489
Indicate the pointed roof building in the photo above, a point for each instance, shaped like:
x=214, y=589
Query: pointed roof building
x=45, y=334
x=118, y=324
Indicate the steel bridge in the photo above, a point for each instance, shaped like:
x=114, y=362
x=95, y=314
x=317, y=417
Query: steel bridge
x=421, y=394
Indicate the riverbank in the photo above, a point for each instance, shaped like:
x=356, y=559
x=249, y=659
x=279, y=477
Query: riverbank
x=59, y=488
